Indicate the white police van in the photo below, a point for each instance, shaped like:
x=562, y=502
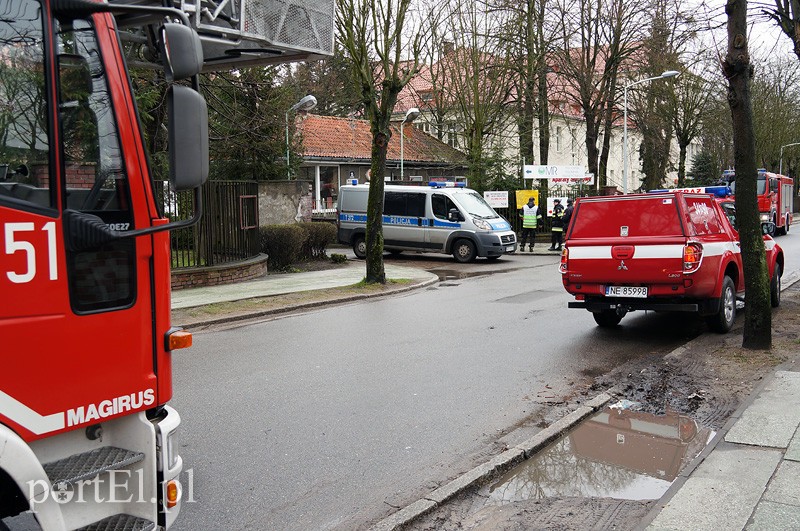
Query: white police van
x=440, y=218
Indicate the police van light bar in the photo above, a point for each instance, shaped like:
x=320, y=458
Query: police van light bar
x=445, y=184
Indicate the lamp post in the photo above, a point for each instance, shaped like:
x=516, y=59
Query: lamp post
x=411, y=114
x=780, y=166
x=668, y=73
x=306, y=104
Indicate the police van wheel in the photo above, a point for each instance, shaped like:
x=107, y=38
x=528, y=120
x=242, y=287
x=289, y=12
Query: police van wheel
x=723, y=320
x=607, y=318
x=464, y=251
x=775, y=287
x=360, y=247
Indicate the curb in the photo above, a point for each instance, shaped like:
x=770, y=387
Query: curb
x=719, y=437
x=306, y=306
x=495, y=466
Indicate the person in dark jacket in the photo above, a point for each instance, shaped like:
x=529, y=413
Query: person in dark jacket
x=568, y=213
x=557, y=230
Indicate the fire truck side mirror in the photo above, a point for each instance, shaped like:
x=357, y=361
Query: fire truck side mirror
x=188, y=138
x=182, y=52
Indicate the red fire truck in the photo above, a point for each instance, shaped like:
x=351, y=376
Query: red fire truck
x=87, y=437
x=775, y=194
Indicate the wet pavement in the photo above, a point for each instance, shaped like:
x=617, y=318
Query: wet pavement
x=750, y=477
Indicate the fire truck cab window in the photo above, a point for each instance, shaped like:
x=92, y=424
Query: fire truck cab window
x=25, y=181
x=95, y=180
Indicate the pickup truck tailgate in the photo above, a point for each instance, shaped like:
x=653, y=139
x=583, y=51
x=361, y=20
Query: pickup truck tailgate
x=634, y=262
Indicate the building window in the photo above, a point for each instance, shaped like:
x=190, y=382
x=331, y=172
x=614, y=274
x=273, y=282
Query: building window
x=558, y=139
x=452, y=135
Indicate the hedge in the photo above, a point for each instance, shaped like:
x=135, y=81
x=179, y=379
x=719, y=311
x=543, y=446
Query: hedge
x=288, y=244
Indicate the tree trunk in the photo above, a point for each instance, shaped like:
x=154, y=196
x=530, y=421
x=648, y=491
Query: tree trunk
x=375, y=272
x=681, y=164
x=739, y=71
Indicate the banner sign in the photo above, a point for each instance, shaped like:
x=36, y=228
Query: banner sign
x=496, y=199
x=558, y=174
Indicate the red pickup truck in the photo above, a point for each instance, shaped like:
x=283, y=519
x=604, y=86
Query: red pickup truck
x=666, y=251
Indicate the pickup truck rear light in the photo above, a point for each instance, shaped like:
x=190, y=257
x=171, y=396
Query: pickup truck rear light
x=692, y=257
x=564, y=258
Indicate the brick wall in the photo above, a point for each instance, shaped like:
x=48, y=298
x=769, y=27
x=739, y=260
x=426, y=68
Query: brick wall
x=223, y=274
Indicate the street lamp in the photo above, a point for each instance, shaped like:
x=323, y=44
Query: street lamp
x=668, y=73
x=306, y=104
x=411, y=114
x=780, y=166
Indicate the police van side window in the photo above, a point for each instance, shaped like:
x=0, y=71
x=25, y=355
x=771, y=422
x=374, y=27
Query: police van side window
x=25, y=181
x=441, y=205
x=404, y=204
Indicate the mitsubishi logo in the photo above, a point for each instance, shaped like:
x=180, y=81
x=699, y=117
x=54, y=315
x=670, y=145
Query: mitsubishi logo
x=622, y=266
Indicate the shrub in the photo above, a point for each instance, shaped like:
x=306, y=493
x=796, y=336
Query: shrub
x=318, y=236
x=283, y=243
x=337, y=258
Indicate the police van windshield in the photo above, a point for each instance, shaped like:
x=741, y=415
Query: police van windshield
x=476, y=206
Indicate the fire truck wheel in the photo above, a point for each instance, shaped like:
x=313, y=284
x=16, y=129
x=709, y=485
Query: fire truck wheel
x=464, y=251
x=607, y=318
x=360, y=246
x=723, y=320
x=775, y=287
x=788, y=224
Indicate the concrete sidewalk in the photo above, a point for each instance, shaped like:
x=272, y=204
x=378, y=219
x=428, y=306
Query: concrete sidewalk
x=347, y=275
x=749, y=476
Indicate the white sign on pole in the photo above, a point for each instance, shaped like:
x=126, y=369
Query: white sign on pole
x=558, y=174
x=496, y=199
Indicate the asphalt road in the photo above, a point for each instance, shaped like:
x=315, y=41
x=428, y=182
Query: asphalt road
x=331, y=418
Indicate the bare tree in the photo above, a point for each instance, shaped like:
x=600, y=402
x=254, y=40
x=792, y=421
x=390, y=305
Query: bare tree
x=477, y=85
x=787, y=15
x=688, y=106
x=527, y=36
x=371, y=32
x=738, y=70
x=598, y=36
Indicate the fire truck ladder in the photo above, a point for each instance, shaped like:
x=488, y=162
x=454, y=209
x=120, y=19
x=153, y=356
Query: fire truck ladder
x=237, y=33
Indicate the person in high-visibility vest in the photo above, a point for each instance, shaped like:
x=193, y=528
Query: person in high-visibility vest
x=557, y=229
x=530, y=216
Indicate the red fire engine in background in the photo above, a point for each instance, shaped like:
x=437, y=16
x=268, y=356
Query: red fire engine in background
x=775, y=194
x=86, y=435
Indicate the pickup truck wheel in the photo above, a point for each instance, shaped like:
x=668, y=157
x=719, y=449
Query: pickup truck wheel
x=360, y=246
x=464, y=251
x=723, y=320
x=775, y=287
x=607, y=318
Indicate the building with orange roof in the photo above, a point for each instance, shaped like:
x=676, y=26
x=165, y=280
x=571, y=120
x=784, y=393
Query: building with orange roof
x=336, y=150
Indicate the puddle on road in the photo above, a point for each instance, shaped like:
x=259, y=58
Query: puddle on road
x=618, y=453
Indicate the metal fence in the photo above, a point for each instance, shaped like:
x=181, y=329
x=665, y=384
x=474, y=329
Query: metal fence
x=227, y=232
